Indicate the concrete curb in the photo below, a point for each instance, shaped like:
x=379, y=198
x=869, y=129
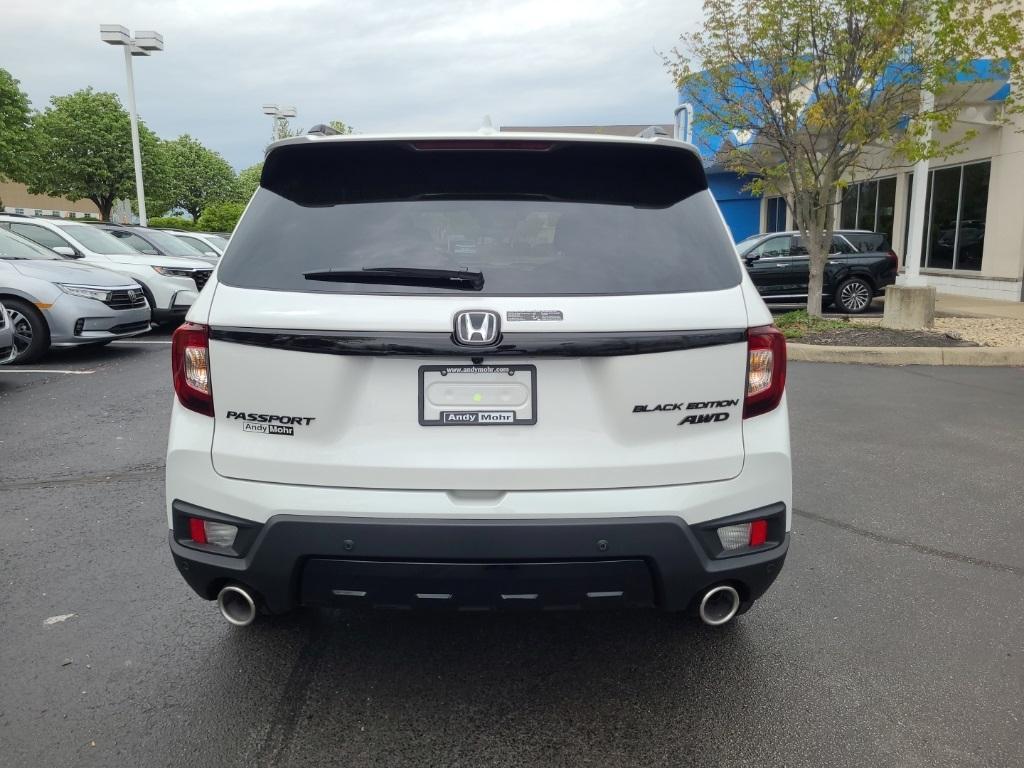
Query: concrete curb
x=979, y=356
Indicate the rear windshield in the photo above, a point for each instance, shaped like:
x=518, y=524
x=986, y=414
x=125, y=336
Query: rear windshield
x=867, y=242
x=557, y=221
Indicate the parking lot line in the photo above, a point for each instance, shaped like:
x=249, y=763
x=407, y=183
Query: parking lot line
x=143, y=341
x=44, y=370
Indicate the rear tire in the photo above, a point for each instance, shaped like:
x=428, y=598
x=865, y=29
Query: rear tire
x=31, y=333
x=854, y=295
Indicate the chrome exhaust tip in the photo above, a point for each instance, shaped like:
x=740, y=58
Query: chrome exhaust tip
x=719, y=605
x=237, y=605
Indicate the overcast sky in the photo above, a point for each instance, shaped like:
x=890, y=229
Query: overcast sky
x=379, y=65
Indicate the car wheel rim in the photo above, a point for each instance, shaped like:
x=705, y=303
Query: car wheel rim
x=855, y=296
x=22, y=331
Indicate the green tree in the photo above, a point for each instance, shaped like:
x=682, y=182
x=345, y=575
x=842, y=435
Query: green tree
x=813, y=91
x=83, y=149
x=196, y=176
x=283, y=128
x=248, y=180
x=220, y=217
x=16, y=148
x=340, y=126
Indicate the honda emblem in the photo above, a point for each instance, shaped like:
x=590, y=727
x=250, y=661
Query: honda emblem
x=477, y=327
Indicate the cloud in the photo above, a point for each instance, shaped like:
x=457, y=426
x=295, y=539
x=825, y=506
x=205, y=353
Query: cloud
x=379, y=66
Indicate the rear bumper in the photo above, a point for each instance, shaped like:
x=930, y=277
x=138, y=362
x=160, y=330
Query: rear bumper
x=474, y=564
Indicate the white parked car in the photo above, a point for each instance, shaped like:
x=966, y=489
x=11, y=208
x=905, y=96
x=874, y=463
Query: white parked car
x=520, y=370
x=206, y=243
x=171, y=283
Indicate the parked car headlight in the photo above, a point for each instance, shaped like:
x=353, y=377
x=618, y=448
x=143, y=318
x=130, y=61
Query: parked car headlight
x=85, y=291
x=174, y=271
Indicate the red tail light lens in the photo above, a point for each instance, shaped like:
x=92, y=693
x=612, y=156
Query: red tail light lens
x=190, y=366
x=894, y=260
x=766, y=370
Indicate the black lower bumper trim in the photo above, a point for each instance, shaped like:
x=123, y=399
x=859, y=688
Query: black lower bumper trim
x=296, y=559
x=476, y=586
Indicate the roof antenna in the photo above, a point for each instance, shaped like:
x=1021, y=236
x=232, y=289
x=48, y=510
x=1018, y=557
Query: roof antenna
x=487, y=128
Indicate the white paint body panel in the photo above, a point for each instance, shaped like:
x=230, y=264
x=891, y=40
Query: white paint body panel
x=766, y=477
x=366, y=432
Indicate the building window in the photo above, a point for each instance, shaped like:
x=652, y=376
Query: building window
x=955, y=223
x=776, y=219
x=870, y=205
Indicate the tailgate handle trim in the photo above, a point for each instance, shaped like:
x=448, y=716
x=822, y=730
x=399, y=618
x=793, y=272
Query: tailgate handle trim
x=553, y=344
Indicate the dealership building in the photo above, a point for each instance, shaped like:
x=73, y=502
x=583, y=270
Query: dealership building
x=974, y=211
x=973, y=228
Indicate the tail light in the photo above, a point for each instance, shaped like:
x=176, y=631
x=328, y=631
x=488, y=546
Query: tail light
x=894, y=260
x=190, y=366
x=766, y=370
x=752, y=534
x=212, y=533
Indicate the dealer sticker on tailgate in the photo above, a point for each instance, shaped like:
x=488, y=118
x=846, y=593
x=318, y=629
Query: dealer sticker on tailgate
x=477, y=395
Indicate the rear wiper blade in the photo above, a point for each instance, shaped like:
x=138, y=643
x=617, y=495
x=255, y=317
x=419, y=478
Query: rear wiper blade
x=459, y=280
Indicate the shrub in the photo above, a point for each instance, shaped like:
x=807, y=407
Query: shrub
x=220, y=217
x=171, y=222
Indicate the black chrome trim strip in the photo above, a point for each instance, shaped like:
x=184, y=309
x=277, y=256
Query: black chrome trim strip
x=400, y=344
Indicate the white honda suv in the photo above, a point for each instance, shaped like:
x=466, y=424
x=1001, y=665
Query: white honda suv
x=480, y=371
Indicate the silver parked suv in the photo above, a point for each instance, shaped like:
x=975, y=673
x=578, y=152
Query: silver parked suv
x=53, y=302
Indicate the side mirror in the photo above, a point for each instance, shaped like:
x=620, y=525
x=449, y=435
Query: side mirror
x=751, y=258
x=67, y=252
x=212, y=253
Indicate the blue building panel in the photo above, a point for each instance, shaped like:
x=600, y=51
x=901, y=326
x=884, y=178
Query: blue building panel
x=742, y=210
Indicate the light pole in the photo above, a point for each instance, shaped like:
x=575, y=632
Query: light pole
x=279, y=114
x=140, y=45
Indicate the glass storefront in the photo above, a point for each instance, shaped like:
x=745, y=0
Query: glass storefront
x=776, y=218
x=955, y=216
x=870, y=205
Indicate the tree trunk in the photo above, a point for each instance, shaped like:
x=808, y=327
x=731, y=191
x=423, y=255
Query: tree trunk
x=105, y=204
x=814, y=285
x=817, y=220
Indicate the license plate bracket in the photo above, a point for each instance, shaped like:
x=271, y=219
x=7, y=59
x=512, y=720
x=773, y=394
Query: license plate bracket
x=477, y=395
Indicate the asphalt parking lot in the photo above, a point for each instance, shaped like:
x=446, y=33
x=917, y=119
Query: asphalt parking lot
x=894, y=636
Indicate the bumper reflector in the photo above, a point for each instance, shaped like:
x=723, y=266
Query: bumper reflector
x=758, y=533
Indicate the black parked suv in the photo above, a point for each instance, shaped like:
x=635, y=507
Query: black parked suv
x=859, y=267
